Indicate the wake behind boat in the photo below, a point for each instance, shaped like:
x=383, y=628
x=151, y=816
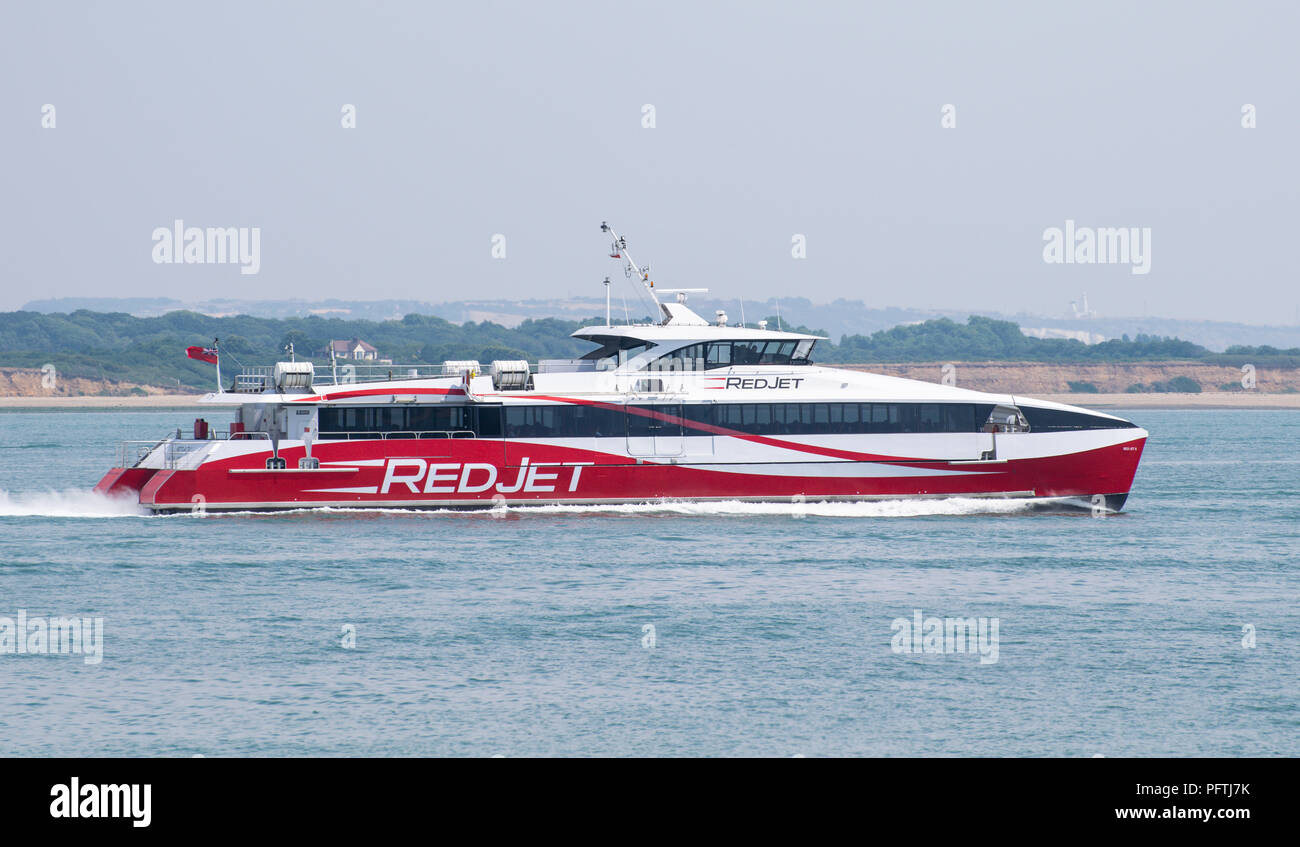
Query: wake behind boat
x=681, y=409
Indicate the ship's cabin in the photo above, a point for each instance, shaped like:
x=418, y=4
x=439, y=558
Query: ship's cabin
x=686, y=342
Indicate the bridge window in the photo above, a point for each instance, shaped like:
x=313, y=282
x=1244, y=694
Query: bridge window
x=719, y=355
x=1061, y=420
x=723, y=354
x=611, y=346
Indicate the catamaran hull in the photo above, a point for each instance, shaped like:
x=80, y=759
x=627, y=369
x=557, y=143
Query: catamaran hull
x=1094, y=468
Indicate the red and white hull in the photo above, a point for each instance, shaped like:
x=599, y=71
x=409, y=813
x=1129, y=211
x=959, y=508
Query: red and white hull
x=469, y=472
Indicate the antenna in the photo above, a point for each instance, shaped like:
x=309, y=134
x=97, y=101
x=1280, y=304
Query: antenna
x=742, y=310
x=607, y=323
x=618, y=250
x=778, y=315
x=216, y=348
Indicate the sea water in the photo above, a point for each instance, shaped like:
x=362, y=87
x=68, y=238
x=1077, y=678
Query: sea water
x=661, y=629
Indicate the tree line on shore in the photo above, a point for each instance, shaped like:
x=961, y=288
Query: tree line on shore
x=151, y=351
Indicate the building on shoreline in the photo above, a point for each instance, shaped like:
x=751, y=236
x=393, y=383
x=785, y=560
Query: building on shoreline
x=354, y=348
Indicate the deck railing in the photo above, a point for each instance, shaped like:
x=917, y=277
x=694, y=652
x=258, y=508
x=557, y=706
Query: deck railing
x=255, y=380
x=132, y=453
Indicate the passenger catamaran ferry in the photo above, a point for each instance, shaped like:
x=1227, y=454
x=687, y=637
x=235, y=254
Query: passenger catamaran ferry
x=681, y=409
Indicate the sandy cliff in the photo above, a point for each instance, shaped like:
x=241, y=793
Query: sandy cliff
x=1032, y=378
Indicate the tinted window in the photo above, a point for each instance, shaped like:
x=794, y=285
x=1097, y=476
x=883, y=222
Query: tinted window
x=562, y=422
x=746, y=352
x=1060, y=420
x=405, y=419
x=488, y=424
x=721, y=354
x=776, y=353
x=838, y=418
x=582, y=421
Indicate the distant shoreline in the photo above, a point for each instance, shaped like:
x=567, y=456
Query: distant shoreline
x=95, y=401
x=1206, y=400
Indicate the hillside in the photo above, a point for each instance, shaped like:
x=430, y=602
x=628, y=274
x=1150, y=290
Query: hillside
x=840, y=318
x=117, y=352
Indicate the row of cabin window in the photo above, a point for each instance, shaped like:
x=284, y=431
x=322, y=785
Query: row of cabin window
x=485, y=421
x=756, y=418
x=597, y=422
x=831, y=418
x=750, y=418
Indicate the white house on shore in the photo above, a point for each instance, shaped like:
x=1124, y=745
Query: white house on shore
x=352, y=349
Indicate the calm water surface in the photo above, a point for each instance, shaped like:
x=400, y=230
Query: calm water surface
x=522, y=634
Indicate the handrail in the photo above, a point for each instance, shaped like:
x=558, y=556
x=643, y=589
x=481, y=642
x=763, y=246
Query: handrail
x=130, y=453
x=142, y=449
x=258, y=377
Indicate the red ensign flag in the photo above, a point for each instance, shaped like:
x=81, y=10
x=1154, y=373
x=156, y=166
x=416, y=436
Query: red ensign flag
x=203, y=354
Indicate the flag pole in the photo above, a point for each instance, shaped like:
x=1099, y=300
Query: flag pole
x=217, y=350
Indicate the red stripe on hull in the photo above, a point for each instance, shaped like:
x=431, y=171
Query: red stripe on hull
x=469, y=471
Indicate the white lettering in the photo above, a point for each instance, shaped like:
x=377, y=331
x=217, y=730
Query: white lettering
x=438, y=478
x=577, y=472
x=519, y=482
x=437, y=483
x=536, y=476
x=390, y=476
x=470, y=468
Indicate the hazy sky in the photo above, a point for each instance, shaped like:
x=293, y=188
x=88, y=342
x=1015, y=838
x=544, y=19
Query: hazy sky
x=771, y=119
